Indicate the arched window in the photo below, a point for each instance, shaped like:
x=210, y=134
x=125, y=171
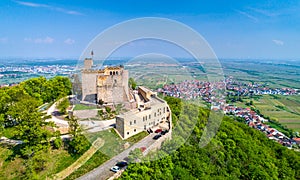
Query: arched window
x=117, y=73
x=114, y=73
x=110, y=73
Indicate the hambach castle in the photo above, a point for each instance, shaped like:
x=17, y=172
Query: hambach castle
x=110, y=85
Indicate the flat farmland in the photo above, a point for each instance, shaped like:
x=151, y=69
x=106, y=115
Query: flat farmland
x=285, y=109
x=157, y=75
x=275, y=73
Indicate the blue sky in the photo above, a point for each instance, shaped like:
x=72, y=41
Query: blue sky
x=233, y=28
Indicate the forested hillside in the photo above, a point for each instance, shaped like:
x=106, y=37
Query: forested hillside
x=236, y=152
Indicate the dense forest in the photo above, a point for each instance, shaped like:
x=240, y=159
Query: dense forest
x=236, y=152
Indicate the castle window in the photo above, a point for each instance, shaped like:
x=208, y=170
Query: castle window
x=134, y=130
x=114, y=73
x=134, y=121
x=149, y=116
x=127, y=133
x=117, y=73
x=130, y=122
x=110, y=73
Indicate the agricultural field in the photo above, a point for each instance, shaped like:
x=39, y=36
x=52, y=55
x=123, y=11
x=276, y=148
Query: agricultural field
x=285, y=109
x=274, y=73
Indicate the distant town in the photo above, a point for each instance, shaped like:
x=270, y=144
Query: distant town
x=195, y=89
x=13, y=74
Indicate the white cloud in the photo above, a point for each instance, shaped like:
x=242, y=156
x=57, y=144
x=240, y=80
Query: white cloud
x=53, y=8
x=3, y=40
x=46, y=40
x=265, y=12
x=69, y=41
x=278, y=42
x=254, y=19
x=30, y=4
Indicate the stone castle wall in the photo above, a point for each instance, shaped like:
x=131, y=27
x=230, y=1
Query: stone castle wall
x=89, y=82
x=112, y=88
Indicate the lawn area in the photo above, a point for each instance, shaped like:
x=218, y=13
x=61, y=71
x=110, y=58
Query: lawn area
x=96, y=160
x=83, y=107
x=14, y=169
x=113, y=144
x=136, y=138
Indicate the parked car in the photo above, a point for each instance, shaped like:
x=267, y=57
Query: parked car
x=158, y=130
x=122, y=164
x=157, y=136
x=164, y=132
x=115, y=169
x=143, y=149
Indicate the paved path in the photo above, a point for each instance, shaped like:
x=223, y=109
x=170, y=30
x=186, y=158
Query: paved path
x=53, y=118
x=5, y=140
x=103, y=172
x=79, y=162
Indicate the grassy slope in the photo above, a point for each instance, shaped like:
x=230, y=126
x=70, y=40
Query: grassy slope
x=13, y=169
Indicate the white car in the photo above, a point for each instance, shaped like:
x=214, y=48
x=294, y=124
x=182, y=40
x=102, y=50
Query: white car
x=115, y=169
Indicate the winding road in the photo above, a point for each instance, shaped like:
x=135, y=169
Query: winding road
x=103, y=172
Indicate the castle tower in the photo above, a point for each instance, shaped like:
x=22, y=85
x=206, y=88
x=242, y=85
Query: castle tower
x=88, y=63
x=112, y=85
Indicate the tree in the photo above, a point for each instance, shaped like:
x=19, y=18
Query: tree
x=30, y=125
x=132, y=83
x=63, y=105
x=175, y=105
x=79, y=144
x=34, y=87
x=57, y=143
x=74, y=127
x=1, y=124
